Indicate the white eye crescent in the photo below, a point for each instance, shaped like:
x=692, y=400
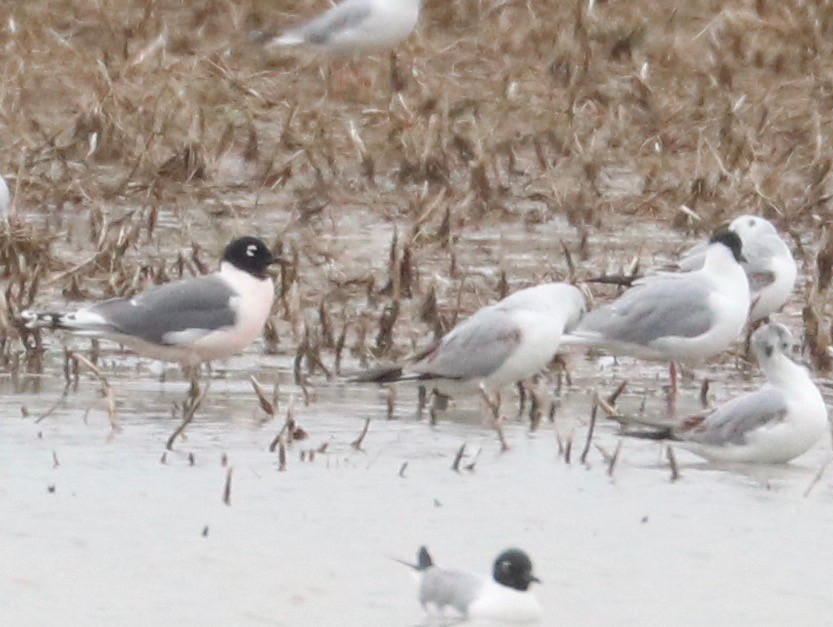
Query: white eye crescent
x=250, y=250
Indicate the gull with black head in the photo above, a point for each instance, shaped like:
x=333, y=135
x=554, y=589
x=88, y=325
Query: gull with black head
x=190, y=321
x=675, y=317
x=503, y=597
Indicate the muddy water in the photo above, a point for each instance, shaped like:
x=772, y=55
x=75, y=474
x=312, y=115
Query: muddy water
x=109, y=533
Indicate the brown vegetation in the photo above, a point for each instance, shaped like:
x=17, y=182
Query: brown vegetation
x=141, y=135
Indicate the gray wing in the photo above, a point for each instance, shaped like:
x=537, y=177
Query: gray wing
x=156, y=315
x=659, y=306
x=732, y=422
x=340, y=18
x=442, y=587
x=693, y=258
x=476, y=348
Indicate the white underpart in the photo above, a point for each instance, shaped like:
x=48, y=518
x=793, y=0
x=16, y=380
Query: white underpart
x=253, y=305
x=498, y=603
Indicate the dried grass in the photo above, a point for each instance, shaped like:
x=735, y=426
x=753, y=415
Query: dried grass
x=139, y=128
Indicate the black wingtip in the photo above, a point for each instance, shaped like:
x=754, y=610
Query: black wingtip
x=663, y=433
x=424, y=559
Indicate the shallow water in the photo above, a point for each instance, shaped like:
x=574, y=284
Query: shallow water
x=112, y=534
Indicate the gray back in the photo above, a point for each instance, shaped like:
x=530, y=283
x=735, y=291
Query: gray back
x=656, y=307
x=196, y=303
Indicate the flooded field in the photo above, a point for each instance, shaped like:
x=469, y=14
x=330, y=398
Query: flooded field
x=99, y=525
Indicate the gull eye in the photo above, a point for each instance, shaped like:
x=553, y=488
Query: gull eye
x=250, y=250
x=769, y=349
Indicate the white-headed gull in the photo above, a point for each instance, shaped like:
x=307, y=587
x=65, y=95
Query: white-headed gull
x=503, y=597
x=188, y=321
x=500, y=344
x=675, y=317
x=356, y=26
x=772, y=425
x=769, y=264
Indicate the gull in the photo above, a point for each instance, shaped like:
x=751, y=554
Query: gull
x=769, y=264
x=189, y=321
x=675, y=317
x=356, y=26
x=772, y=425
x=500, y=344
x=505, y=597
x=5, y=197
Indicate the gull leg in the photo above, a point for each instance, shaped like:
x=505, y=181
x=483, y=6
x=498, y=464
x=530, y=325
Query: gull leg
x=672, y=393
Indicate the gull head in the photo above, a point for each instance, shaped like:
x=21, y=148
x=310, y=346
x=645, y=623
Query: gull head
x=770, y=340
x=730, y=240
x=250, y=255
x=513, y=569
x=750, y=227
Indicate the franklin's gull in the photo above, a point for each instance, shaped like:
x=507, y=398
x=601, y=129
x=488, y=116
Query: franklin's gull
x=769, y=264
x=188, y=321
x=505, y=597
x=772, y=425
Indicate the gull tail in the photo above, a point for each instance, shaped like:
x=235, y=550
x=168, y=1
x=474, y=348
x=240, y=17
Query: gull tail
x=662, y=433
x=81, y=321
x=424, y=560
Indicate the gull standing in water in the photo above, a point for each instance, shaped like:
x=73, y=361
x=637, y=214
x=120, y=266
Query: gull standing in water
x=769, y=264
x=188, y=321
x=772, y=425
x=505, y=597
x=500, y=344
x=675, y=317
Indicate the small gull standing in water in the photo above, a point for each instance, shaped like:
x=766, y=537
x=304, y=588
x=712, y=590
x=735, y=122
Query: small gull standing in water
x=500, y=344
x=188, y=321
x=505, y=597
x=772, y=425
x=769, y=264
x=675, y=317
